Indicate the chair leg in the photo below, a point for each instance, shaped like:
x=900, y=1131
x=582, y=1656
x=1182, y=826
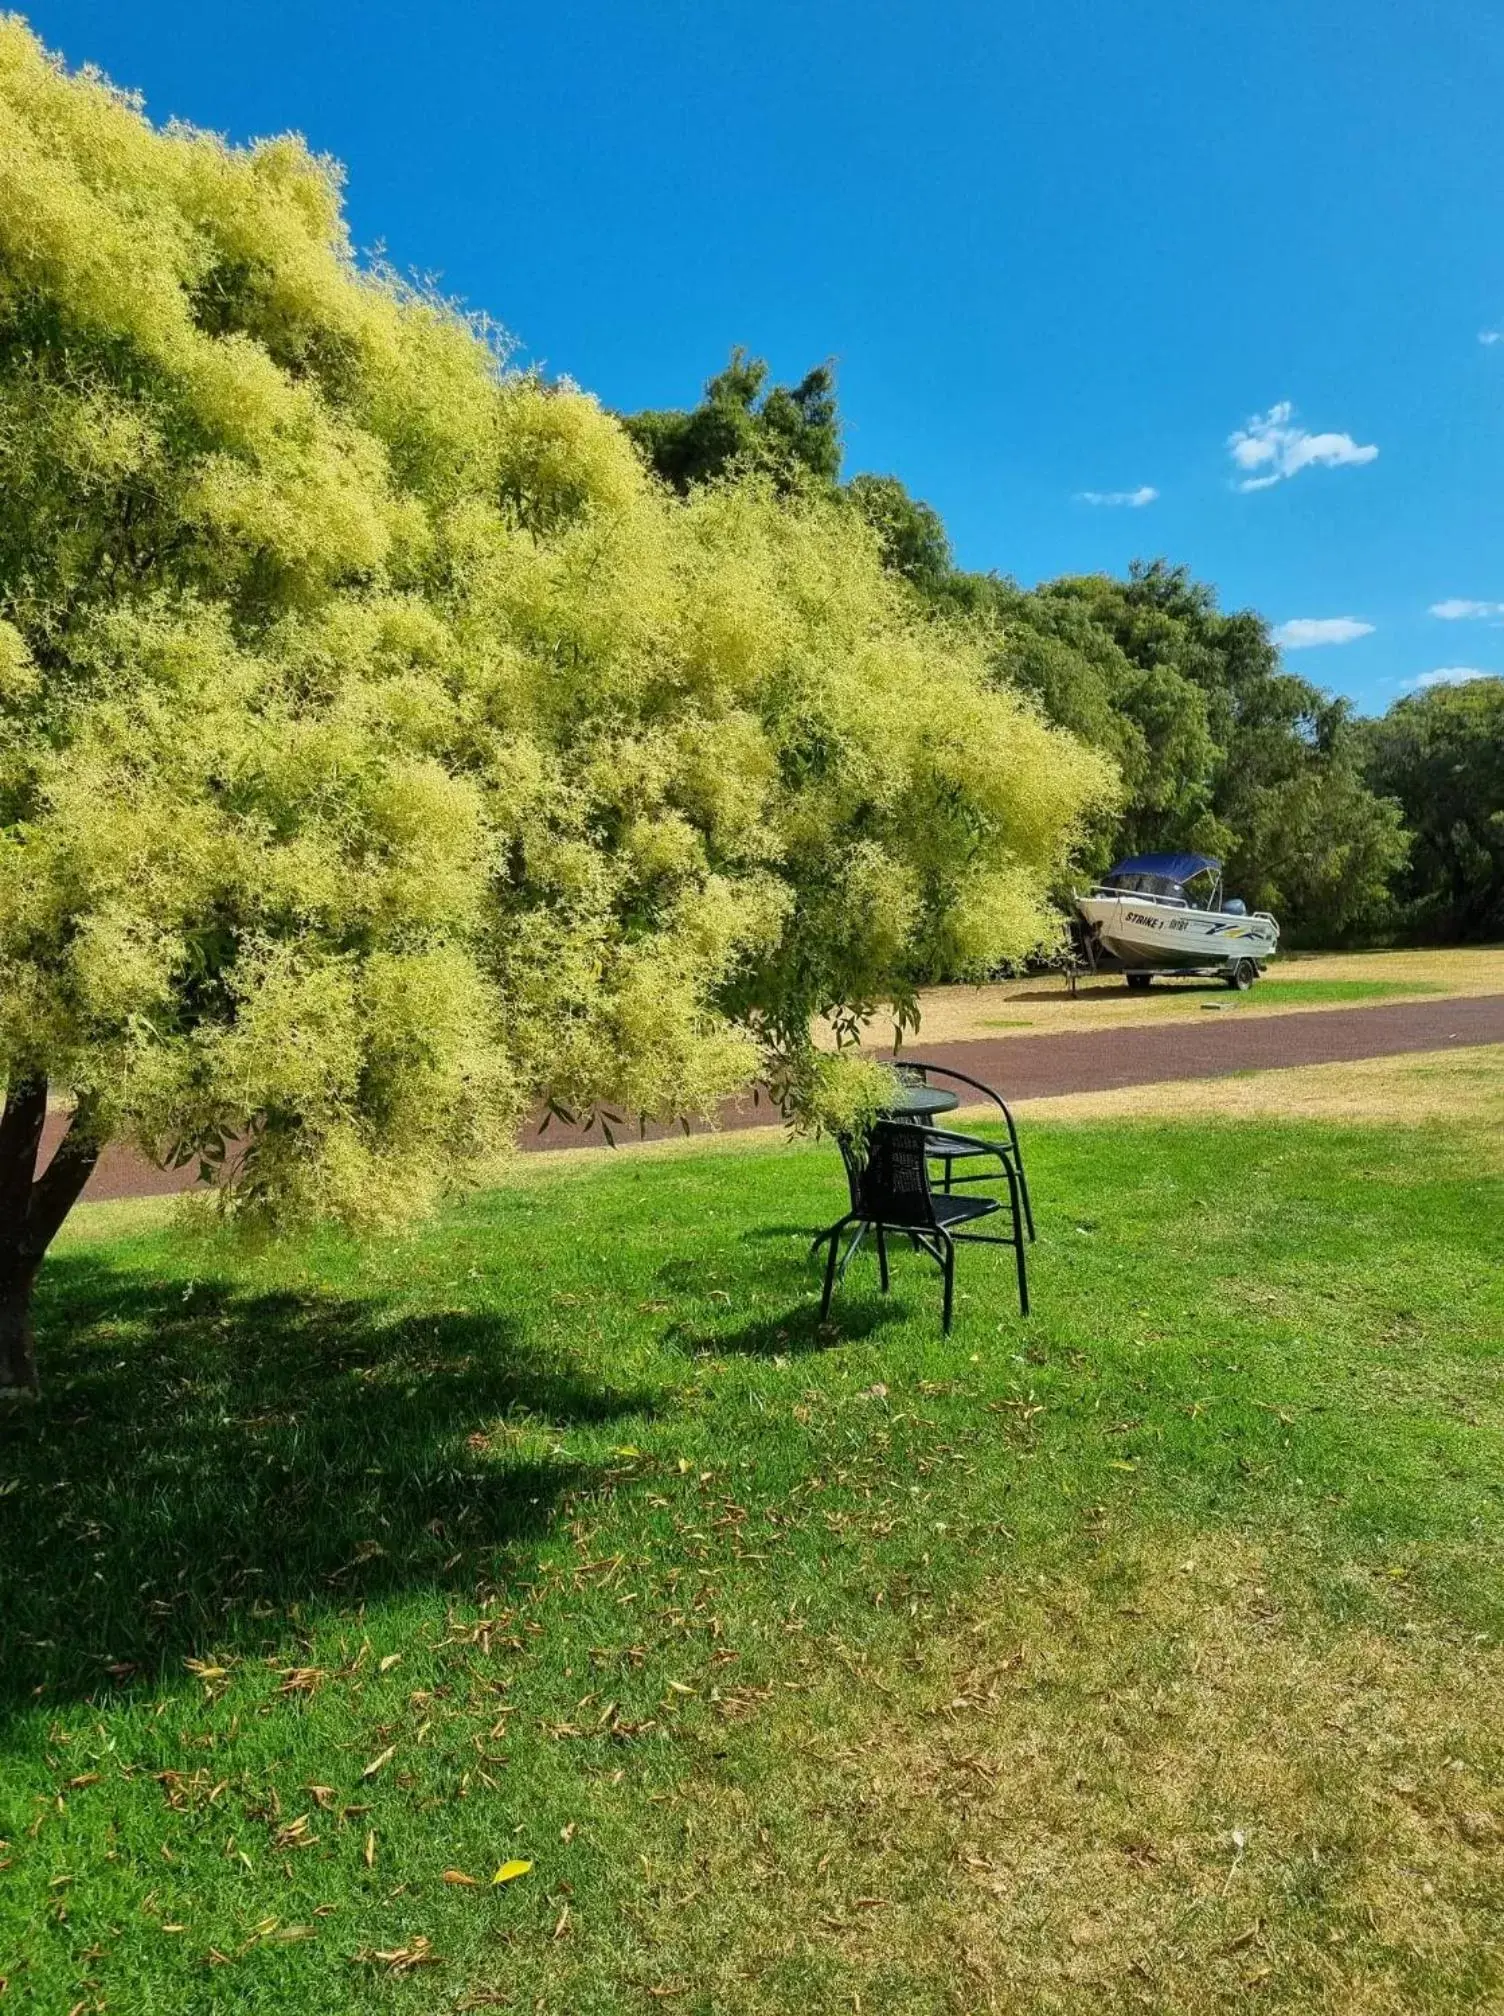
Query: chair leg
x=830, y=1271
x=1023, y=1184
x=830, y=1232
x=1014, y=1186
x=882, y=1259
x=1023, y=1181
x=949, y=1265
x=851, y=1251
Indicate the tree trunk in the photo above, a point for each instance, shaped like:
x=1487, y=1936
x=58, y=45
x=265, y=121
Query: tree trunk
x=32, y=1209
x=18, y=1356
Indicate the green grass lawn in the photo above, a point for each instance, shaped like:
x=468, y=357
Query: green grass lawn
x=1286, y=990
x=1290, y=992
x=1142, y=1655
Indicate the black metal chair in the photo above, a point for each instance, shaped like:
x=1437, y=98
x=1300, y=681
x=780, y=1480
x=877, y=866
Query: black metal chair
x=967, y=1148
x=891, y=1191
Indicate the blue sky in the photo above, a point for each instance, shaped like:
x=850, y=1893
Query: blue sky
x=1057, y=250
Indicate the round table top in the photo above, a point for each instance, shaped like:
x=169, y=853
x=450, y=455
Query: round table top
x=918, y=1102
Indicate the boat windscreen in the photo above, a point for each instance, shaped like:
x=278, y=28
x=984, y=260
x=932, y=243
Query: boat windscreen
x=1144, y=885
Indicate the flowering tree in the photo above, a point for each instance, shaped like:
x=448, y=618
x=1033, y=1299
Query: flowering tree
x=383, y=750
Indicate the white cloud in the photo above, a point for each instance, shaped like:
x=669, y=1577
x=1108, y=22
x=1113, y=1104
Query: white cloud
x=1134, y=499
x=1301, y=632
x=1457, y=607
x=1270, y=446
x=1452, y=675
x=1491, y=335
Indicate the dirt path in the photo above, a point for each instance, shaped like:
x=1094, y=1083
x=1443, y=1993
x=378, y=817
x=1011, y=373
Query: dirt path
x=1102, y=1060
x=1042, y=1067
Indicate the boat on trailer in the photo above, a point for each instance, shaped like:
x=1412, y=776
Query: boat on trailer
x=1164, y=914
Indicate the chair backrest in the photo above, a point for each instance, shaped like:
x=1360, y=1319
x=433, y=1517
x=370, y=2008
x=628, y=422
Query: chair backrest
x=894, y=1185
x=855, y=1158
x=916, y=1071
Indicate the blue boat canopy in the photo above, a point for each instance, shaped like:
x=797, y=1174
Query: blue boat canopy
x=1173, y=867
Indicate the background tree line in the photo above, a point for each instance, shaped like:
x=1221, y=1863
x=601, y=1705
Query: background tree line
x=1347, y=828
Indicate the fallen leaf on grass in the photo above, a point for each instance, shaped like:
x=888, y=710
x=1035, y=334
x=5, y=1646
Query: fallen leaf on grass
x=368, y=1853
x=400, y=1959
x=459, y=1876
x=392, y=1659
x=510, y=1871
x=302, y=1680
x=376, y=1763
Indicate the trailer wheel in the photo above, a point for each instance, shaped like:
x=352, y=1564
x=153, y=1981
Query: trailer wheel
x=1243, y=975
x=1138, y=981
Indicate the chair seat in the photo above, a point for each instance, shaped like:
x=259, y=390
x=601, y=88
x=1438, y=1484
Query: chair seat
x=956, y=1210
x=956, y=1147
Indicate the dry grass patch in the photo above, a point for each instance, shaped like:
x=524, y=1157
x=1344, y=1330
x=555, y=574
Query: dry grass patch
x=1041, y=1006
x=1421, y=1089
x=1162, y=1784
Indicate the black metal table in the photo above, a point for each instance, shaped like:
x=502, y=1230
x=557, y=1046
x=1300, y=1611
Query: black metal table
x=921, y=1102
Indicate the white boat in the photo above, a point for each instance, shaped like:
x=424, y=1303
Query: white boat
x=1165, y=913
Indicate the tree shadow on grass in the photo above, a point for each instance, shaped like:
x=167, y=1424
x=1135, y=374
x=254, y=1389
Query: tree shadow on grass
x=855, y=1314
x=206, y=1465
x=797, y=1330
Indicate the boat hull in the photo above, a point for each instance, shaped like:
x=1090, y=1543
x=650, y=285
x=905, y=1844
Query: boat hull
x=1146, y=936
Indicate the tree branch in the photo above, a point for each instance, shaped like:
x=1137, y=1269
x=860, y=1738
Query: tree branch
x=57, y=1189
